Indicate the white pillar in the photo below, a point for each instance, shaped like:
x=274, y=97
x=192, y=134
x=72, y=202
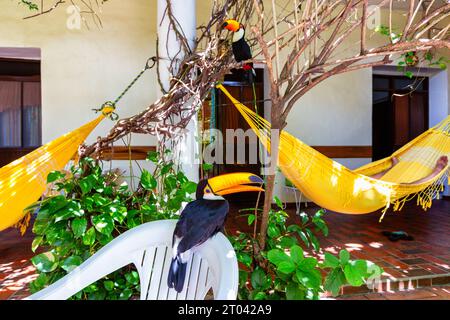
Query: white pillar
x=185, y=13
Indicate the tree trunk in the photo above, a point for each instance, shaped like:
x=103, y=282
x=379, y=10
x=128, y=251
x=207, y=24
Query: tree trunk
x=270, y=181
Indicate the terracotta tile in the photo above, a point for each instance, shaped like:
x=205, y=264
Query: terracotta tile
x=396, y=263
x=441, y=263
x=353, y=297
x=375, y=296
x=414, y=261
x=354, y=290
x=416, y=272
x=443, y=292
x=391, y=272
x=5, y=294
x=412, y=251
x=426, y=282
x=434, y=269
x=440, y=280
x=397, y=253
x=410, y=295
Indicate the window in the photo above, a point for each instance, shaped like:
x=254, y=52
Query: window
x=20, y=108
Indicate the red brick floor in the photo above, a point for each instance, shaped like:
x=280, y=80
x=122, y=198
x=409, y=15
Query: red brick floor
x=408, y=265
x=16, y=270
x=423, y=262
x=430, y=293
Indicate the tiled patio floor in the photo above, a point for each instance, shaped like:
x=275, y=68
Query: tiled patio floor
x=429, y=293
x=16, y=270
x=411, y=266
x=423, y=262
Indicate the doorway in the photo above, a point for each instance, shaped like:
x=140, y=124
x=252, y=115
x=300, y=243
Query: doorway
x=400, y=112
x=20, y=107
x=228, y=117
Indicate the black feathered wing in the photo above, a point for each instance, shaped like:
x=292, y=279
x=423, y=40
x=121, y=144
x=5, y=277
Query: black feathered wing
x=199, y=221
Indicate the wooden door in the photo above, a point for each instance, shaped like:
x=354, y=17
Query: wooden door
x=400, y=112
x=229, y=118
x=410, y=117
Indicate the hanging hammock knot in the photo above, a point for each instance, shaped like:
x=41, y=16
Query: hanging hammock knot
x=107, y=109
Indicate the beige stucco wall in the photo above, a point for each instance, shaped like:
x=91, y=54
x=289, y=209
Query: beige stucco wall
x=81, y=69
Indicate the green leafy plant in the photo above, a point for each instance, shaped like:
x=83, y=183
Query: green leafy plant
x=288, y=268
x=411, y=58
x=89, y=209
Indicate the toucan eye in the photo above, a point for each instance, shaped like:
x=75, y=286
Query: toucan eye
x=207, y=190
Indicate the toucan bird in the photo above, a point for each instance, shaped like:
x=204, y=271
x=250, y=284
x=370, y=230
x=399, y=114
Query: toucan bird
x=203, y=218
x=241, y=49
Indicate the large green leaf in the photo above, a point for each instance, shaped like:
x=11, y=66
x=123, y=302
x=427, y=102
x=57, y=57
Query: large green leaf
x=244, y=258
x=87, y=183
x=148, y=181
x=36, y=242
x=277, y=256
x=258, y=295
x=308, y=264
x=153, y=156
x=305, y=218
x=103, y=223
x=126, y=294
x=79, y=226
x=273, y=231
x=286, y=267
x=355, y=272
x=309, y=278
x=45, y=262
x=287, y=242
x=89, y=237
x=344, y=257
x=258, y=279
x=296, y=254
x=334, y=281
x=118, y=212
x=190, y=187
x=71, y=263
x=132, y=278
x=54, y=176
x=251, y=219
x=330, y=261
x=109, y=285
x=293, y=292
x=278, y=202
x=313, y=239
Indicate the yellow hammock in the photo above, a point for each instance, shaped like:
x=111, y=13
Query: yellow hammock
x=23, y=181
x=337, y=188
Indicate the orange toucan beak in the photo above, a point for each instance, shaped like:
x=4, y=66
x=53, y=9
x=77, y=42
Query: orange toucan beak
x=231, y=25
x=235, y=182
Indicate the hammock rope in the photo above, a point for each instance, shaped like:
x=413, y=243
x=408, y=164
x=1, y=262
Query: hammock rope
x=24, y=180
x=337, y=188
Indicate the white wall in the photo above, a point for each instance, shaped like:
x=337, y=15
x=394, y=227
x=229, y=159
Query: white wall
x=439, y=102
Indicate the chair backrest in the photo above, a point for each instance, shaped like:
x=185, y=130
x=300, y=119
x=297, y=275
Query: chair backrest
x=148, y=246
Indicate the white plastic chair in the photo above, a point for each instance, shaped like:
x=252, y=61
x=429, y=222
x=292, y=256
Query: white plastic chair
x=148, y=247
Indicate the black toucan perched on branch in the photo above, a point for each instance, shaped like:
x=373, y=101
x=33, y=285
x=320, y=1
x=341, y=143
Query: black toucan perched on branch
x=203, y=218
x=241, y=49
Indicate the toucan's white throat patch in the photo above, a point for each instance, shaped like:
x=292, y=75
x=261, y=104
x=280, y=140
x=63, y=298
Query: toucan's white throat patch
x=238, y=35
x=212, y=196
